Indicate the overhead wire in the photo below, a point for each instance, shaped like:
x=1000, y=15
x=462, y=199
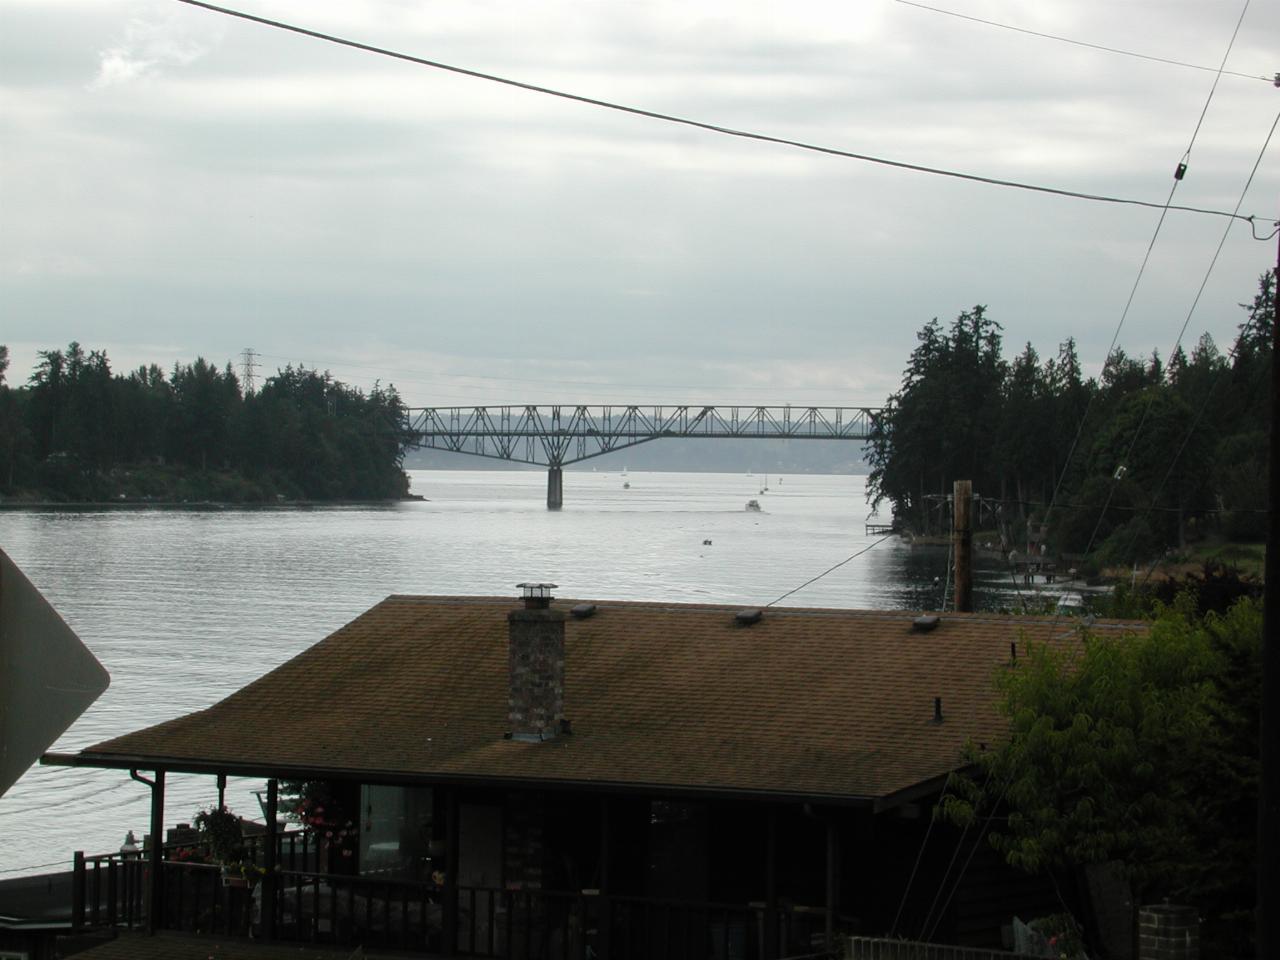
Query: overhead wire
x=951, y=863
x=1213, y=261
x=35, y=866
x=1216, y=78
x=699, y=124
x=955, y=887
x=916, y=866
x=830, y=569
x=1084, y=43
x=1177, y=179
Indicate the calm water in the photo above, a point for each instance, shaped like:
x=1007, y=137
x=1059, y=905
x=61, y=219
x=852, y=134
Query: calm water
x=184, y=607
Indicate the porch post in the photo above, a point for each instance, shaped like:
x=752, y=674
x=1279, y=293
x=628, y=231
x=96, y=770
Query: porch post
x=78, y=884
x=769, y=949
x=449, y=909
x=605, y=920
x=155, y=856
x=270, y=881
x=833, y=880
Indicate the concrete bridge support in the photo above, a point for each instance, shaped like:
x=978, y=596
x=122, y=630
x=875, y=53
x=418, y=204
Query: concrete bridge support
x=555, y=487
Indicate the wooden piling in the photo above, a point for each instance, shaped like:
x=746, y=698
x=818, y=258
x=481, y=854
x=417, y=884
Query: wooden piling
x=962, y=537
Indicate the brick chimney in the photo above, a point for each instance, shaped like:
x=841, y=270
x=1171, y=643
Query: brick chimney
x=535, y=657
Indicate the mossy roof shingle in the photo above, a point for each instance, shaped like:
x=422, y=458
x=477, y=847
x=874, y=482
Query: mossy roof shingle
x=812, y=702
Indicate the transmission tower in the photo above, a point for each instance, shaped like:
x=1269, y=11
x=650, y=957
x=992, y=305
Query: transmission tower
x=248, y=363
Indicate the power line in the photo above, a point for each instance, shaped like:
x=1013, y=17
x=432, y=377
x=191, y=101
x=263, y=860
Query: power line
x=35, y=866
x=1218, y=76
x=1084, y=43
x=968, y=860
x=1177, y=179
x=1208, y=394
x=925, y=928
x=831, y=569
x=919, y=856
x=701, y=125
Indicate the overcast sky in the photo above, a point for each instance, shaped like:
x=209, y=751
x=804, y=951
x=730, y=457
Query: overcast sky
x=176, y=183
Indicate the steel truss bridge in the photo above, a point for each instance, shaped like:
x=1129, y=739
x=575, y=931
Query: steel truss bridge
x=554, y=435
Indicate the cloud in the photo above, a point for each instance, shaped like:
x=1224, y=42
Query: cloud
x=150, y=44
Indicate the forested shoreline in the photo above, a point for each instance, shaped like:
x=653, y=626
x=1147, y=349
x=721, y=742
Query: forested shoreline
x=77, y=432
x=1119, y=469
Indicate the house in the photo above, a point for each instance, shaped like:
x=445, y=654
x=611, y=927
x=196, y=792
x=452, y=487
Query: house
x=570, y=778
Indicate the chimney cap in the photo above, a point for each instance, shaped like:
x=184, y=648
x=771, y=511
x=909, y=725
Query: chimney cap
x=536, y=591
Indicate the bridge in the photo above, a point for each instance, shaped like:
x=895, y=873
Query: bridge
x=553, y=436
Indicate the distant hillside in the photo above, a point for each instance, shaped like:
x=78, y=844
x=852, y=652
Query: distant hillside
x=684, y=455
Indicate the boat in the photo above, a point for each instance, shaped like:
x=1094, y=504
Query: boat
x=1071, y=604
x=753, y=505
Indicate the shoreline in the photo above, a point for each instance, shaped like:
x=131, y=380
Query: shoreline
x=72, y=505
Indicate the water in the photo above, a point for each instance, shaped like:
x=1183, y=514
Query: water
x=184, y=607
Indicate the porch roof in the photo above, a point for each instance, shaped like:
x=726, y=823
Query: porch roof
x=834, y=705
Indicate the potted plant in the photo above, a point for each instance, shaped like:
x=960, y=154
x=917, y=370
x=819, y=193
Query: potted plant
x=320, y=807
x=220, y=832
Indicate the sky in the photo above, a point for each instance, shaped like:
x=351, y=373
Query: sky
x=176, y=183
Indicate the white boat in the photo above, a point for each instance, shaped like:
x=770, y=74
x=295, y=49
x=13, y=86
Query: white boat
x=1071, y=605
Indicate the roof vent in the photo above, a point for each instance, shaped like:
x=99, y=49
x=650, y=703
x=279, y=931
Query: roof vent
x=924, y=624
x=583, y=610
x=745, y=618
x=537, y=596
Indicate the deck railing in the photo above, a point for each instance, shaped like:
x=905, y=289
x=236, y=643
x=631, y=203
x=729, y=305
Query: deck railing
x=309, y=905
x=108, y=890
x=879, y=948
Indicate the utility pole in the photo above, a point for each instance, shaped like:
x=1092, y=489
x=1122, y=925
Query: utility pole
x=1268, y=929
x=962, y=537
x=248, y=363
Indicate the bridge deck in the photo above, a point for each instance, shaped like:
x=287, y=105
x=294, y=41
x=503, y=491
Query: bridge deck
x=556, y=435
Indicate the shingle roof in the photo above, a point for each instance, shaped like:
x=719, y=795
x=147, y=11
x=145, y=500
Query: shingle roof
x=820, y=703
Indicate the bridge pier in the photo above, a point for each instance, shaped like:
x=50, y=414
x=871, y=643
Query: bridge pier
x=555, y=487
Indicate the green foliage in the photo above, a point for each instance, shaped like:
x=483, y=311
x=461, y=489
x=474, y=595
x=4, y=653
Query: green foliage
x=79, y=432
x=1139, y=748
x=1139, y=460
x=942, y=424
x=219, y=830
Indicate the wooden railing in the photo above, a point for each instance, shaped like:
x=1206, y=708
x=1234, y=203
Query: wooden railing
x=309, y=905
x=108, y=890
x=344, y=909
x=877, y=948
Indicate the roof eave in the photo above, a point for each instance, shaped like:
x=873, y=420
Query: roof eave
x=402, y=777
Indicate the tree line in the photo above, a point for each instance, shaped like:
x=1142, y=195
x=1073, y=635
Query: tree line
x=1121, y=466
x=78, y=431
x=1136, y=752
